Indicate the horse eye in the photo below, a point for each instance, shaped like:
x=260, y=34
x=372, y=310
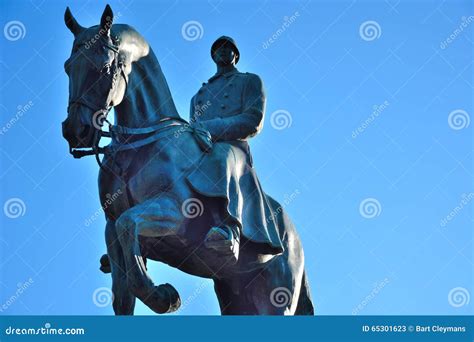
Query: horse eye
x=106, y=69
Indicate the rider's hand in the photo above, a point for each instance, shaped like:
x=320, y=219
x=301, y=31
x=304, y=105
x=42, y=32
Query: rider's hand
x=202, y=135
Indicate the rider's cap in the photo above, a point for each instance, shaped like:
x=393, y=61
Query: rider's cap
x=225, y=40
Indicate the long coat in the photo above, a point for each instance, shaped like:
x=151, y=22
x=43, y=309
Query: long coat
x=231, y=107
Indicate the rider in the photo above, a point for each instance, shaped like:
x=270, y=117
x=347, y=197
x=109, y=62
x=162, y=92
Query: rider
x=231, y=106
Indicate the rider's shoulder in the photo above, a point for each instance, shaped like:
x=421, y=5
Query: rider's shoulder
x=247, y=75
x=250, y=77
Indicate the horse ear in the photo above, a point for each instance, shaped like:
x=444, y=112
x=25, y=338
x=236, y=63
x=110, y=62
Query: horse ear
x=107, y=19
x=71, y=23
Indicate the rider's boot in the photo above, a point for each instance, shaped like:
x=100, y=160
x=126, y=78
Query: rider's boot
x=225, y=240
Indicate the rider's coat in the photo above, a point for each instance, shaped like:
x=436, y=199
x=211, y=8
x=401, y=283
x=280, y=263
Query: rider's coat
x=231, y=107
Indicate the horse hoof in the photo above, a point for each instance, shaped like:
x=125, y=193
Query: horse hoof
x=105, y=264
x=164, y=299
x=173, y=297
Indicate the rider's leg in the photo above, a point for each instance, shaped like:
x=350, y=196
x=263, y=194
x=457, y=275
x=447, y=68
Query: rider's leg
x=224, y=238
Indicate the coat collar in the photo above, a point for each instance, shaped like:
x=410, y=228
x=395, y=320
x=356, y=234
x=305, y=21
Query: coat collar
x=226, y=75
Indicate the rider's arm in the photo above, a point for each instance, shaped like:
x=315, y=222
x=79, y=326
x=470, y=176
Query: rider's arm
x=246, y=124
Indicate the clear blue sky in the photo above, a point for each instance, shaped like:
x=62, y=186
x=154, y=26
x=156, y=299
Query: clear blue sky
x=323, y=72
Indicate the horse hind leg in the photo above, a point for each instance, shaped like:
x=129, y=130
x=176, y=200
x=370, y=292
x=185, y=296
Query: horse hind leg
x=305, y=303
x=278, y=288
x=262, y=292
x=142, y=220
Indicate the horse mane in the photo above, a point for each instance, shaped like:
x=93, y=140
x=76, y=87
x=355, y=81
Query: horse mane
x=148, y=96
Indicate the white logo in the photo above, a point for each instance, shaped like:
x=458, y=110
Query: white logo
x=280, y=297
x=459, y=119
x=192, y=30
x=281, y=119
x=102, y=297
x=192, y=208
x=98, y=118
x=370, y=208
x=14, y=208
x=14, y=30
x=459, y=296
x=370, y=30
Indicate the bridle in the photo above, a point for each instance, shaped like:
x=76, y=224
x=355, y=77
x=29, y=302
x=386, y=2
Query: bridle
x=117, y=70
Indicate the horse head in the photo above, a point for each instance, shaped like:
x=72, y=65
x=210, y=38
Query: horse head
x=98, y=69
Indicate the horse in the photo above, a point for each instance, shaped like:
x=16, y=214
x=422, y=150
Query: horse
x=151, y=211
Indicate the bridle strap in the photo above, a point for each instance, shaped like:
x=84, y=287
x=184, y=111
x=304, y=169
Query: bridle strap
x=162, y=130
x=96, y=150
x=117, y=129
x=81, y=101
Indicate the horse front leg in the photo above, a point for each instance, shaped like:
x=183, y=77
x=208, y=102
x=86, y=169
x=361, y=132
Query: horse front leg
x=123, y=299
x=143, y=219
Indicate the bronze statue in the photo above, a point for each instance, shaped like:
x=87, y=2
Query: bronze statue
x=171, y=191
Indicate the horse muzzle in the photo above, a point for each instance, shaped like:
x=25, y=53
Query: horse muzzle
x=78, y=136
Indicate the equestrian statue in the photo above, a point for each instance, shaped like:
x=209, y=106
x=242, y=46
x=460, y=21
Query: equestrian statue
x=181, y=192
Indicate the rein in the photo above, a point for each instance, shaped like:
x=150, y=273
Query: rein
x=165, y=127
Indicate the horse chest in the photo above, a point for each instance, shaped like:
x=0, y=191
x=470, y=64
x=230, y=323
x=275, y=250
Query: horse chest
x=113, y=195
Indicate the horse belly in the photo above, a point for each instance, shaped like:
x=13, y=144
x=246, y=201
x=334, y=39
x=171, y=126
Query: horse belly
x=152, y=180
x=161, y=171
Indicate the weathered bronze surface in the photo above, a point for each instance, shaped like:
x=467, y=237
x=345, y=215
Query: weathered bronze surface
x=185, y=194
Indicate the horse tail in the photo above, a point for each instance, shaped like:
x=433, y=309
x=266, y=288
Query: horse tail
x=305, y=304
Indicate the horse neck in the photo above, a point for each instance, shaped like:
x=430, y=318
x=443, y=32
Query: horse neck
x=147, y=99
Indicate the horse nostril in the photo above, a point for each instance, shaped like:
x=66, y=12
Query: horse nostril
x=85, y=131
x=66, y=130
